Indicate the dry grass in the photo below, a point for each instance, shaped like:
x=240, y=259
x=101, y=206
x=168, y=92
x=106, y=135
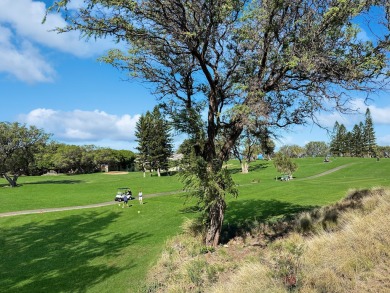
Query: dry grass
x=355, y=258
x=344, y=248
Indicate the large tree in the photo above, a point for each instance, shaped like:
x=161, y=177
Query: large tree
x=154, y=141
x=19, y=145
x=280, y=60
x=357, y=140
x=143, y=132
x=161, y=148
x=339, y=145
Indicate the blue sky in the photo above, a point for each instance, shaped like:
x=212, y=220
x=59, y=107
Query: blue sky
x=55, y=82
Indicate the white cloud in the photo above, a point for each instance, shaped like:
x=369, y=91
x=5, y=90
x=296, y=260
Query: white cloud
x=25, y=17
x=82, y=126
x=22, y=36
x=25, y=62
x=379, y=115
x=383, y=140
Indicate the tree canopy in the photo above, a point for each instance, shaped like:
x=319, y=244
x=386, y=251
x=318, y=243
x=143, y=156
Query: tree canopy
x=281, y=61
x=18, y=146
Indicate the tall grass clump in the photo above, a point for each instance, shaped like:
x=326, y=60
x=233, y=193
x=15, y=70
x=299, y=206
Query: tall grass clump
x=352, y=256
x=184, y=264
x=357, y=257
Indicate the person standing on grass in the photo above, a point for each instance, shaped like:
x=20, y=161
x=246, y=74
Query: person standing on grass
x=140, y=197
x=125, y=201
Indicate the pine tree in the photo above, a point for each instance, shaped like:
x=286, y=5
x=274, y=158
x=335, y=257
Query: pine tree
x=342, y=138
x=154, y=142
x=334, y=143
x=369, y=144
x=143, y=134
x=357, y=136
x=161, y=143
x=339, y=145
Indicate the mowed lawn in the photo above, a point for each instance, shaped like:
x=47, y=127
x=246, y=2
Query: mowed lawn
x=110, y=249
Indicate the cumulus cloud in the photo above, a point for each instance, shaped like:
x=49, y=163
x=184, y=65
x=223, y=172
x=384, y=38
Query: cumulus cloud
x=379, y=115
x=23, y=61
x=80, y=126
x=22, y=36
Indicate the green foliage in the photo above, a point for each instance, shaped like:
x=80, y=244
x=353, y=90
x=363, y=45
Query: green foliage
x=292, y=151
x=206, y=184
x=359, y=142
x=154, y=141
x=19, y=146
x=284, y=164
x=316, y=149
x=65, y=158
x=369, y=145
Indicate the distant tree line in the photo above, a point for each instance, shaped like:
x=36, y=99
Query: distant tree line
x=311, y=149
x=29, y=151
x=64, y=158
x=360, y=142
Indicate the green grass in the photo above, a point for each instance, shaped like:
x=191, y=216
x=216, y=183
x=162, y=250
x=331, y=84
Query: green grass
x=61, y=191
x=86, y=251
x=96, y=250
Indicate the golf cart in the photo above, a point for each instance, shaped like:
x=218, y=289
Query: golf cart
x=121, y=192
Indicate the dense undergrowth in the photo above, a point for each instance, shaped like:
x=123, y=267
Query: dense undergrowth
x=344, y=247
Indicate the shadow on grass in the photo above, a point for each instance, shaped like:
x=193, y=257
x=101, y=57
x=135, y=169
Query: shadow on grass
x=242, y=216
x=61, y=255
x=190, y=210
x=64, y=181
x=252, y=167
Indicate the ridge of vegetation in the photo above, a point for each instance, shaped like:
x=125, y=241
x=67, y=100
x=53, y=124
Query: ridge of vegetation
x=343, y=247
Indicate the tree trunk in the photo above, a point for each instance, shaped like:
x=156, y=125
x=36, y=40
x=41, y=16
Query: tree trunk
x=216, y=214
x=244, y=168
x=11, y=181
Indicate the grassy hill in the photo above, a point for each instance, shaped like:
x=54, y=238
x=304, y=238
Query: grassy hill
x=350, y=255
x=90, y=250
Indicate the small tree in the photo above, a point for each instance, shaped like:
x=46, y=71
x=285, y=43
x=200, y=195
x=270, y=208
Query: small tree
x=246, y=149
x=284, y=164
